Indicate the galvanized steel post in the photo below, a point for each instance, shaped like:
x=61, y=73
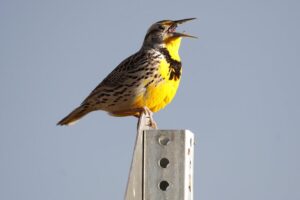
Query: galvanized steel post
x=162, y=165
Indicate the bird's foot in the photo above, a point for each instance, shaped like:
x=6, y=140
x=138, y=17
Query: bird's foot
x=149, y=115
x=144, y=114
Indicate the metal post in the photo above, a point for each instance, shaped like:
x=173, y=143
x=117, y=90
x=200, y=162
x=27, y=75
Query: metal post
x=162, y=165
x=168, y=164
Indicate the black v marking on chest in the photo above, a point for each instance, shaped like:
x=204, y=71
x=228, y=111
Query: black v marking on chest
x=174, y=65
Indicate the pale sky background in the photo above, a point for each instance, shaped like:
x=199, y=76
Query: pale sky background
x=239, y=94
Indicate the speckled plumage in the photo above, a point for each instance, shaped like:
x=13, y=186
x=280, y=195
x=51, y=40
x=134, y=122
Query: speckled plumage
x=119, y=89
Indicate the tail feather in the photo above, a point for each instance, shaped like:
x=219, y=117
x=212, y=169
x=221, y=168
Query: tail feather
x=74, y=116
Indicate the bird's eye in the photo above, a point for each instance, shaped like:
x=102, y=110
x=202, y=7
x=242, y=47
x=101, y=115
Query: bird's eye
x=161, y=27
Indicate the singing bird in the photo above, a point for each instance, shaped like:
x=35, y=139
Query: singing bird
x=145, y=82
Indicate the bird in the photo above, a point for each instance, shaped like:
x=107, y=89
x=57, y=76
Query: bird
x=143, y=83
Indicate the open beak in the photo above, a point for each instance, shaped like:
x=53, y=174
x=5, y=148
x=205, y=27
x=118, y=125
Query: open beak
x=177, y=34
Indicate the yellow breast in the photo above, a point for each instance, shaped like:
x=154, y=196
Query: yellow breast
x=157, y=96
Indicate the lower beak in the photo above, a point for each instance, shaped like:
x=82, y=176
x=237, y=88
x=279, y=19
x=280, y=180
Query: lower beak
x=177, y=34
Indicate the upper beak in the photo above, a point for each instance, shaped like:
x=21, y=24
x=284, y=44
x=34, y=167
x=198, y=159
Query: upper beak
x=181, y=21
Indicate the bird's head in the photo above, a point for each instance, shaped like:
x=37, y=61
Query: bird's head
x=164, y=31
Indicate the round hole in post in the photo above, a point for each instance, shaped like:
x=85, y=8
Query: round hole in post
x=163, y=140
x=164, y=162
x=163, y=185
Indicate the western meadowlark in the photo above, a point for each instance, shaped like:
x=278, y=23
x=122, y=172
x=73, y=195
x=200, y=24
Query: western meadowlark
x=143, y=83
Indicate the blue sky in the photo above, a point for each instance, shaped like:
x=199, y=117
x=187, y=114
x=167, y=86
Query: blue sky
x=239, y=94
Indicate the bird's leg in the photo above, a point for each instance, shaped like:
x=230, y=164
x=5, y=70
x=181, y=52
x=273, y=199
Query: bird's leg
x=149, y=114
x=144, y=114
x=146, y=120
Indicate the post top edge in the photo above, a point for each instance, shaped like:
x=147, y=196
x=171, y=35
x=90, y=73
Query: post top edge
x=170, y=130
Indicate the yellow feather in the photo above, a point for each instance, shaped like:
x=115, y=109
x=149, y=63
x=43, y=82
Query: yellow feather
x=156, y=97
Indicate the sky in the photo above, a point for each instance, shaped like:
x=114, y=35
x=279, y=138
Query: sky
x=239, y=95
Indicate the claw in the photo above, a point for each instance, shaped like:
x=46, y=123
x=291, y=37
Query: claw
x=146, y=119
x=149, y=114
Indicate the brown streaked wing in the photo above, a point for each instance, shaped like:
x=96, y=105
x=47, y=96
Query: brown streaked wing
x=116, y=78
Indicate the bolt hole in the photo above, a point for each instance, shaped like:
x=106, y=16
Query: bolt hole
x=164, y=162
x=163, y=140
x=164, y=185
